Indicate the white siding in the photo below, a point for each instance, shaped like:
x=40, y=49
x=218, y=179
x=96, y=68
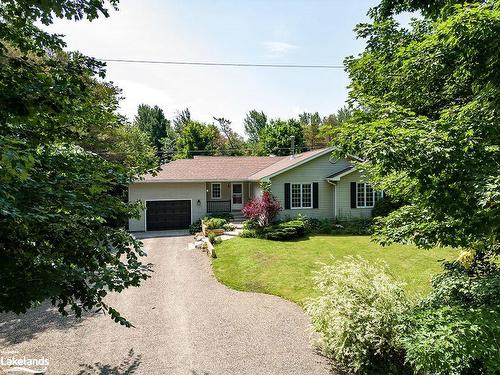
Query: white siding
x=344, y=210
x=316, y=171
x=157, y=191
x=256, y=191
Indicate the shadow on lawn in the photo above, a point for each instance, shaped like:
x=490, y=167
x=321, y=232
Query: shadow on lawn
x=15, y=329
x=127, y=367
x=300, y=239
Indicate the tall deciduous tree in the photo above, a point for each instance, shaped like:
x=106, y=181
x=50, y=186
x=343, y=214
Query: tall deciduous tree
x=254, y=122
x=182, y=118
x=232, y=143
x=429, y=125
x=60, y=187
x=197, y=138
x=152, y=121
x=311, y=123
x=331, y=123
x=276, y=138
x=429, y=131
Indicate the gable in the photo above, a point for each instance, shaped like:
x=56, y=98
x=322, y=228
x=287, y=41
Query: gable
x=287, y=163
x=317, y=169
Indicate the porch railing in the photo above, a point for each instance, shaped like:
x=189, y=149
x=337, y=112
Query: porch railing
x=218, y=206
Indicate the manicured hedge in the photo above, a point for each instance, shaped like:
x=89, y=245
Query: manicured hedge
x=214, y=223
x=284, y=231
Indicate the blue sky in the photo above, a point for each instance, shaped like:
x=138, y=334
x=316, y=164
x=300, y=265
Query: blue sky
x=252, y=31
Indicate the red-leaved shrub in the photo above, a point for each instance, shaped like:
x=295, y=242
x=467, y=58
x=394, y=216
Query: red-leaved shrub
x=263, y=209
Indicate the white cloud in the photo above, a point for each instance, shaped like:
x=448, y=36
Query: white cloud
x=278, y=47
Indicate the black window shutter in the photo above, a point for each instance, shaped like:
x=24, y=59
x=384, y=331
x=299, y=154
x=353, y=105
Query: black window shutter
x=315, y=195
x=353, y=195
x=287, y=196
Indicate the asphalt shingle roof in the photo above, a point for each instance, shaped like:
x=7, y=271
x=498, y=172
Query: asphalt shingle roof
x=341, y=171
x=226, y=168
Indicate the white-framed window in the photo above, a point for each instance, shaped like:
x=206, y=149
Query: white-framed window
x=216, y=190
x=366, y=196
x=301, y=196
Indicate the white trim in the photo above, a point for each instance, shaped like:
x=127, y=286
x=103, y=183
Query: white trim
x=364, y=195
x=327, y=150
x=339, y=176
x=291, y=195
x=212, y=190
x=335, y=201
x=159, y=200
x=242, y=195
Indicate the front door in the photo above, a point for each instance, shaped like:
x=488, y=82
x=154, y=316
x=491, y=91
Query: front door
x=236, y=196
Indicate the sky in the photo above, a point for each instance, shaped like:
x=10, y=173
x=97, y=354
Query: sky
x=229, y=31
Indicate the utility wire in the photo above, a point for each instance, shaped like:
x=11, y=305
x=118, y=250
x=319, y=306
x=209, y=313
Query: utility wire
x=240, y=65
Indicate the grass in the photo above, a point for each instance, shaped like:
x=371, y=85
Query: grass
x=285, y=269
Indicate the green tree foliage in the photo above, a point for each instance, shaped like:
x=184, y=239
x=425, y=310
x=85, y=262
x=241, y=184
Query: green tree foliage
x=254, y=122
x=231, y=143
x=152, y=121
x=131, y=147
x=426, y=122
x=431, y=9
x=311, y=123
x=197, y=138
x=430, y=126
x=276, y=138
x=455, y=329
x=331, y=123
x=182, y=118
x=60, y=186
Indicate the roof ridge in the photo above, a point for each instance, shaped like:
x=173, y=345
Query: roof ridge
x=221, y=167
x=235, y=156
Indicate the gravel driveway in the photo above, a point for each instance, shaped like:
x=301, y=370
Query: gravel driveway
x=186, y=323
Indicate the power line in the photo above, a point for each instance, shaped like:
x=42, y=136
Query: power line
x=240, y=65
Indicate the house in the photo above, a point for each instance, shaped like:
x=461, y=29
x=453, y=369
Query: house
x=311, y=183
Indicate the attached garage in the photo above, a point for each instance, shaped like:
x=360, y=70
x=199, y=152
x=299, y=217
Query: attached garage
x=167, y=205
x=168, y=214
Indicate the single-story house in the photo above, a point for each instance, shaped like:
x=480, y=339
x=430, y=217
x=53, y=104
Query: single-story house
x=311, y=183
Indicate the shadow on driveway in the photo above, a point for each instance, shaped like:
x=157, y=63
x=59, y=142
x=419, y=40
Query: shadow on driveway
x=128, y=366
x=161, y=233
x=15, y=329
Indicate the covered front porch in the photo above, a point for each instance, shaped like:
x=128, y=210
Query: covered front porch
x=229, y=196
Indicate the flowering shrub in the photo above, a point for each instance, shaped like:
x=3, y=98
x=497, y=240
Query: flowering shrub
x=263, y=210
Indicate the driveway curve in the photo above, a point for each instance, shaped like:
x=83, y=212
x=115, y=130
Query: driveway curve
x=185, y=323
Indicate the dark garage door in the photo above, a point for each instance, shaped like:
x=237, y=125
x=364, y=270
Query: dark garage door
x=162, y=215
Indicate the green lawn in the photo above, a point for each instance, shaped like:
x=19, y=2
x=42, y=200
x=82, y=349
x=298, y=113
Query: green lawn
x=285, y=268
